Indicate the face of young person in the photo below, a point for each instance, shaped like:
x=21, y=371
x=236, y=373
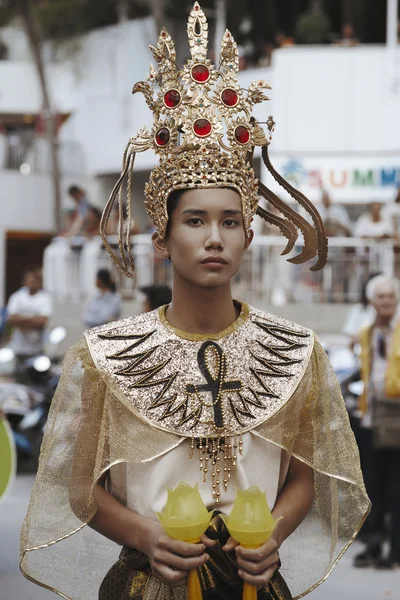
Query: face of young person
x=206, y=239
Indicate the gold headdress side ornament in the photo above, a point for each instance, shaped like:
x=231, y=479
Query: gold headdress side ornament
x=205, y=136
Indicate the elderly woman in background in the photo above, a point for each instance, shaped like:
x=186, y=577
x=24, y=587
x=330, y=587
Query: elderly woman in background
x=379, y=433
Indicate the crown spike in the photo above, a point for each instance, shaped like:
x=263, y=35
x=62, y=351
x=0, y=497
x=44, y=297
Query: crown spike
x=229, y=56
x=197, y=29
x=165, y=50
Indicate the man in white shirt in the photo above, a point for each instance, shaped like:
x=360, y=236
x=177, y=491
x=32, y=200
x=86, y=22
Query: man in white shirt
x=28, y=312
x=373, y=224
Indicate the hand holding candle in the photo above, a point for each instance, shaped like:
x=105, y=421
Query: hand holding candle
x=186, y=518
x=251, y=524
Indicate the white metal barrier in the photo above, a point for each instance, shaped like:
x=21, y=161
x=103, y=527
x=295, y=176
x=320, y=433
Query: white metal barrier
x=70, y=269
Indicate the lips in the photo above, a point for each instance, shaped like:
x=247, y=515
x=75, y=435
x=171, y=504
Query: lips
x=214, y=260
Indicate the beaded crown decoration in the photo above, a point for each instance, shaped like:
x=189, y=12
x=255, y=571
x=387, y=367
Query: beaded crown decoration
x=205, y=135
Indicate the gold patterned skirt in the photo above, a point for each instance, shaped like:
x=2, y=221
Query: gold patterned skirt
x=130, y=578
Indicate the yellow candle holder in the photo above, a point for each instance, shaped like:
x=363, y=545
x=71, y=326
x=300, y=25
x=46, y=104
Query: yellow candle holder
x=251, y=524
x=186, y=518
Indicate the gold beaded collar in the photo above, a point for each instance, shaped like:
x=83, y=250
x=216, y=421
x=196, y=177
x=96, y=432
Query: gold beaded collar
x=199, y=337
x=211, y=388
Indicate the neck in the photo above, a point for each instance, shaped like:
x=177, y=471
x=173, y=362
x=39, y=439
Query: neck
x=201, y=310
x=383, y=321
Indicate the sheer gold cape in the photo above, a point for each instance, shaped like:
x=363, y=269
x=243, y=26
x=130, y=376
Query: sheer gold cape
x=91, y=427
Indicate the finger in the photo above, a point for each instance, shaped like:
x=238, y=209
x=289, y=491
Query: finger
x=181, y=548
x=180, y=563
x=208, y=543
x=257, y=580
x=255, y=568
x=260, y=553
x=169, y=576
x=230, y=545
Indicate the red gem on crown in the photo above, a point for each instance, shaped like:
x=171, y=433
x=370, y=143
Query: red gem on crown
x=172, y=98
x=200, y=73
x=202, y=127
x=229, y=97
x=242, y=134
x=162, y=136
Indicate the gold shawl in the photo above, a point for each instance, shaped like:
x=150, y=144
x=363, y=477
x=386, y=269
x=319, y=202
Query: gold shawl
x=274, y=379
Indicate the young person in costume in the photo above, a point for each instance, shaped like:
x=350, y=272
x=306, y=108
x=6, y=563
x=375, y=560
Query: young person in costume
x=207, y=389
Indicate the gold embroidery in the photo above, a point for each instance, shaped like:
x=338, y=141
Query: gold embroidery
x=205, y=389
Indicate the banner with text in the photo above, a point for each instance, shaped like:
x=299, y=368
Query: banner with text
x=348, y=179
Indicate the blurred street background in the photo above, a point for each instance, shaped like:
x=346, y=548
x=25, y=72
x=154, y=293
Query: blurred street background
x=67, y=68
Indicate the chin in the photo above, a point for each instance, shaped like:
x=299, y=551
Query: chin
x=214, y=280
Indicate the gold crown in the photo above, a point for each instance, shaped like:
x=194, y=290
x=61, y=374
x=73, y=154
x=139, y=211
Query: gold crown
x=205, y=135
x=201, y=140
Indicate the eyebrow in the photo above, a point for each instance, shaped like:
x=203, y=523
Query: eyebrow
x=197, y=211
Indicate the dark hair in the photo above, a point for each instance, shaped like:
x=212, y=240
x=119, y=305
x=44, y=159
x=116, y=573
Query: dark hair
x=74, y=189
x=363, y=299
x=172, y=203
x=32, y=270
x=106, y=279
x=157, y=295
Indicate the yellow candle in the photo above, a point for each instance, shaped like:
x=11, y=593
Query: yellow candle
x=186, y=518
x=251, y=524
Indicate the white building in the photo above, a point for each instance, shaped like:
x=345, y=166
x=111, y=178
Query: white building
x=336, y=111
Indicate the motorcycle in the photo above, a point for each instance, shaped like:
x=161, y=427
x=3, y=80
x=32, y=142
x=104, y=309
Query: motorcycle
x=26, y=406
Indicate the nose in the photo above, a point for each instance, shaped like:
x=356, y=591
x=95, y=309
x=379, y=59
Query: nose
x=214, y=238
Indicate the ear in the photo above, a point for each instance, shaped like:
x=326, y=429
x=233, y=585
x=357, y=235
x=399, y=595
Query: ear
x=160, y=245
x=249, y=239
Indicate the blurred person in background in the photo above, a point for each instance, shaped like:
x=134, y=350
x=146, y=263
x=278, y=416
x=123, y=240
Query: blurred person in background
x=335, y=217
x=82, y=208
x=113, y=222
x=348, y=37
x=337, y=224
x=373, y=224
x=391, y=213
x=105, y=305
x=266, y=56
x=284, y=41
x=29, y=310
x=313, y=25
x=379, y=433
x=68, y=218
x=155, y=296
x=92, y=222
x=360, y=315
